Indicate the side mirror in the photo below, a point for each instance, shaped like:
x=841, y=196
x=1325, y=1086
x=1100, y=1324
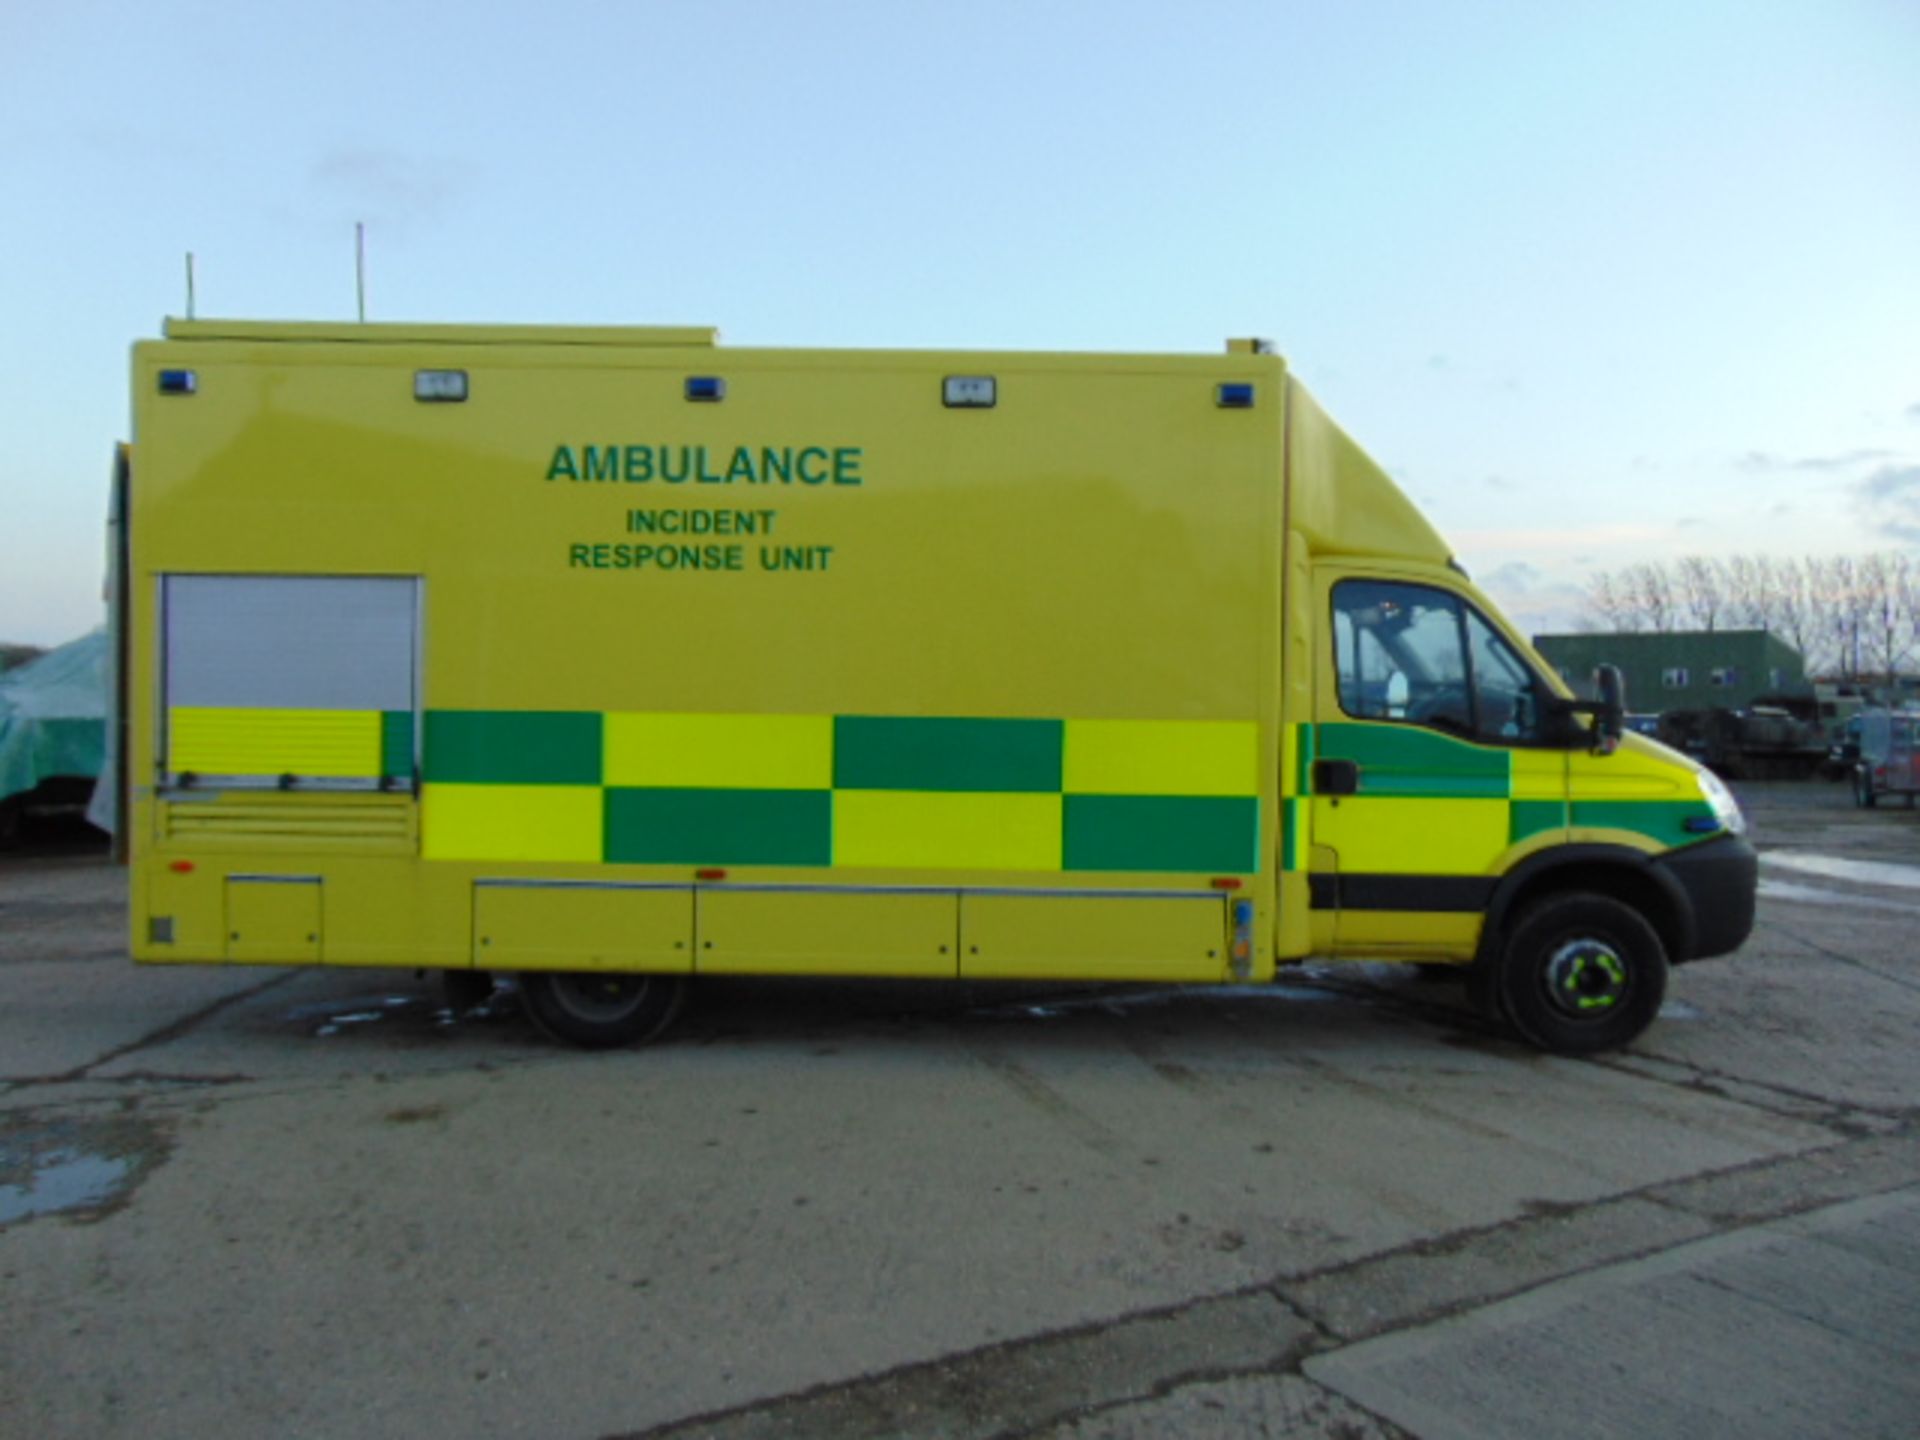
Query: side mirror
x=1609, y=717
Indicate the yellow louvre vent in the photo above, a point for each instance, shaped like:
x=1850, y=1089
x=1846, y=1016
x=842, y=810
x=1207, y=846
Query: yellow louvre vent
x=362, y=823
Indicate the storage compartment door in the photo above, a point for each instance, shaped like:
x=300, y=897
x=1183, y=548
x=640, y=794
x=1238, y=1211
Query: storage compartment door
x=854, y=932
x=273, y=919
x=521, y=926
x=1074, y=937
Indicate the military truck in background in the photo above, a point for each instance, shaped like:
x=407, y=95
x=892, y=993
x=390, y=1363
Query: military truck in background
x=1778, y=737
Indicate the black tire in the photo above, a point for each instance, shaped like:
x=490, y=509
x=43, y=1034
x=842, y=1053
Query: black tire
x=1581, y=973
x=1483, y=990
x=602, y=1010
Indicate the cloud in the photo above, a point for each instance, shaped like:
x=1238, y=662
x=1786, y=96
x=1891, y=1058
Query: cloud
x=1439, y=362
x=1913, y=411
x=1500, y=482
x=1515, y=574
x=385, y=187
x=1536, y=601
x=1688, y=522
x=1889, y=501
x=1531, y=541
x=1760, y=461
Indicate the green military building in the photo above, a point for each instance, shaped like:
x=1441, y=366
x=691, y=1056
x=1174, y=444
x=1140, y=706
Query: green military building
x=1683, y=669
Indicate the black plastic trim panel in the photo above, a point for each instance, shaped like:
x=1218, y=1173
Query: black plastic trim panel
x=1431, y=894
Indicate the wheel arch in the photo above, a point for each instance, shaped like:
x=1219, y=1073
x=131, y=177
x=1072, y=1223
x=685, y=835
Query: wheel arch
x=1612, y=870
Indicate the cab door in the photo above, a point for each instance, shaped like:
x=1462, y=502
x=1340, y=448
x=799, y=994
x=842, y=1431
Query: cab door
x=1433, y=768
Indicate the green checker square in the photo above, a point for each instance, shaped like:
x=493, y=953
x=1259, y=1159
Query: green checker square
x=513, y=747
x=1661, y=820
x=1528, y=818
x=719, y=827
x=1206, y=833
x=1410, y=762
x=873, y=752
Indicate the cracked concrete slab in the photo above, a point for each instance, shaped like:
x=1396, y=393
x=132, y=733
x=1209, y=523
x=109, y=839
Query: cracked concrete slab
x=1252, y=1407
x=1801, y=1327
x=1010, y=1389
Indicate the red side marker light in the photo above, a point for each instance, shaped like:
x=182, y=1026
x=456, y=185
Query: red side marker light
x=1225, y=882
x=181, y=867
x=709, y=874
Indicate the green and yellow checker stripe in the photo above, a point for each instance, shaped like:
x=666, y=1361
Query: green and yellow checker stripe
x=1444, y=805
x=854, y=791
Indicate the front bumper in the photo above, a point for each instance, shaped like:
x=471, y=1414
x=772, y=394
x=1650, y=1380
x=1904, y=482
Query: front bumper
x=1718, y=878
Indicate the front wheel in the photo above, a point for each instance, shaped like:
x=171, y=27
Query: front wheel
x=599, y=1011
x=1582, y=973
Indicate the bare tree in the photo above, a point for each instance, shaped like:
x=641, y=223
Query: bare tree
x=1744, y=579
x=1834, y=593
x=1786, y=604
x=1697, y=587
x=1908, y=597
x=1653, y=599
x=1608, y=600
x=1884, y=638
x=1846, y=615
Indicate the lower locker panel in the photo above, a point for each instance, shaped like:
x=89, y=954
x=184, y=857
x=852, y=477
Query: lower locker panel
x=582, y=927
x=774, y=932
x=1019, y=937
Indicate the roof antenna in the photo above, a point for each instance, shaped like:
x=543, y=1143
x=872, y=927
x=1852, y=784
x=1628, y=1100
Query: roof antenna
x=189, y=285
x=360, y=266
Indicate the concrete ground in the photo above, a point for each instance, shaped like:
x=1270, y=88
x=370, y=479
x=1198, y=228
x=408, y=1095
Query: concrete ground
x=318, y=1203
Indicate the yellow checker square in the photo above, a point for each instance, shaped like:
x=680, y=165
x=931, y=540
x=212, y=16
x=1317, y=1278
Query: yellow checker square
x=720, y=752
x=511, y=822
x=330, y=743
x=1539, y=774
x=1162, y=757
x=923, y=830
x=1422, y=836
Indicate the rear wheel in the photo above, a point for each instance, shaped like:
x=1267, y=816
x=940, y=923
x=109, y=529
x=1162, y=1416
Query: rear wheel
x=1581, y=973
x=599, y=1011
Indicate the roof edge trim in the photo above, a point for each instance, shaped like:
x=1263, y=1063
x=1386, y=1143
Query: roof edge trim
x=349, y=332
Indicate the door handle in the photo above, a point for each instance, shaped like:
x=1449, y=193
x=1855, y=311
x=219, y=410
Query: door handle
x=1336, y=777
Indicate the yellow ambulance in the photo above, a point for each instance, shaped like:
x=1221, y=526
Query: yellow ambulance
x=611, y=658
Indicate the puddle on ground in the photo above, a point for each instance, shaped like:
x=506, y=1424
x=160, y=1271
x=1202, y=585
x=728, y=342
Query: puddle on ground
x=1678, y=1010
x=82, y=1169
x=1057, y=1007
x=331, y=1017
x=1813, y=895
x=1834, y=867
x=64, y=1180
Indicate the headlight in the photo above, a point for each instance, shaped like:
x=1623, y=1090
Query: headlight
x=1726, y=809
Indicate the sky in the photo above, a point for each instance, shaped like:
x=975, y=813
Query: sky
x=1599, y=284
